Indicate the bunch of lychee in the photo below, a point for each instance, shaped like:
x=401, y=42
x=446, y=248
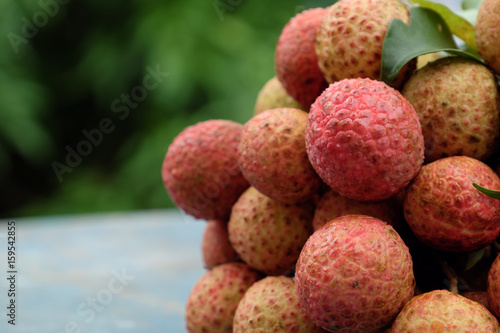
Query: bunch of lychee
x=346, y=204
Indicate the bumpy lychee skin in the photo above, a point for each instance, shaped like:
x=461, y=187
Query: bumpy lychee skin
x=273, y=96
x=354, y=274
x=215, y=245
x=446, y=212
x=458, y=105
x=333, y=205
x=488, y=34
x=493, y=291
x=444, y=312
x=351, y=36
x=271, y=305
x=364, y=139
x=272, y=156
x=267, y=235
x=214, y=298
x=295, y=59
x=200, y=170
x=478, y=296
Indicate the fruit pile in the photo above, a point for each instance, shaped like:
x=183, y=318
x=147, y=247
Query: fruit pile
x=346, y=203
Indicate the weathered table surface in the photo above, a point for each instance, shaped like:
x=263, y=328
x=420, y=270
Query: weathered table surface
x=117, y=272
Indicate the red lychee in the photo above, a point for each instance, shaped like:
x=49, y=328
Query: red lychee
x=446, y=212
x=354, y=274
x=200, y=170
x=295, y=59
x=364, y=139
x=215, y=245
x=493, y=291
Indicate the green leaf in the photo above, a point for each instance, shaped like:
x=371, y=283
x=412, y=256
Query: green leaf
x=473, y=258
x=458, y=26
x=491, y=193
x=427, y=33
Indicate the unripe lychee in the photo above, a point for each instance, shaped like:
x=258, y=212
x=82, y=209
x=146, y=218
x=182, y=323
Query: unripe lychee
x=273, y=96
x=494, y=287
x=271, y=305
x=295, y=59
x=488, y=34
x=458, y=105
x=354, y=274
x=444, y=312
x=351, y=37
x=272, y=156
x=200, y=170
x=215, y=245
x=333, y=205
x=268, y=235
x=446, y=212
x=214, y=298
x=364, y=139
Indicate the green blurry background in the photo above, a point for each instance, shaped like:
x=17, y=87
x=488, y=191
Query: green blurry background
x=64, y=63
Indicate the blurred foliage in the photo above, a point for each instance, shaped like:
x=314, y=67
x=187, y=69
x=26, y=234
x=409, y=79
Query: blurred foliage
x=64, y=63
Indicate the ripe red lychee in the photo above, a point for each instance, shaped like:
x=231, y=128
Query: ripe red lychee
x=364, y=139
x=268, y=235
x=354, y=274
x=271, y=305
x=493, y=291
x=333, y=205
x=488, y=34
x=446, y=212
x=295, y=59
x=215, y=245
x=214, y=298
x=351, y=37
x=273, y=96
x=200, y=170
x=272, y=156
x=444, y=312
x=458, y=105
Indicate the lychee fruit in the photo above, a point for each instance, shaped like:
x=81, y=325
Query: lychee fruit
x=200, y=170
x=446, y=212
x=493, y=291
x=478, y=296
x=296, y=63
x=214, y=298
x=354, y=274
x=273, y=96
x=272, y=155
x=488, y=34
x=364, y=139
x=444, y=312
x=268, y=235
x=351, y=36
x=333, y=205
x=458, y=105
x=271, y=305
x=215, y=245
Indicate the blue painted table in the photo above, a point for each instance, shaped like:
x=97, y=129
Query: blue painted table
x=129, y=272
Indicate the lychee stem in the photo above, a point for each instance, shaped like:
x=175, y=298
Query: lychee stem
x=451, y=275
